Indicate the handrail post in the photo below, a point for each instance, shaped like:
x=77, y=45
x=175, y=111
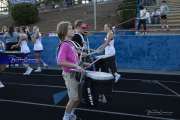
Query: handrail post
x=137, y=14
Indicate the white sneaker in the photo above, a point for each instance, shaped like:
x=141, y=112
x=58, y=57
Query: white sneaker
x=102, y=98
x=1, y=85
x=117, y=77
x=67, y=117
x=28, y=71
x=73, y=117
x=38, y=69
x=137, y=33
x=45, y=65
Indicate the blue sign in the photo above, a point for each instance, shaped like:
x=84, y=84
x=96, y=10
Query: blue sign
x=13, y=59
x=22, y=1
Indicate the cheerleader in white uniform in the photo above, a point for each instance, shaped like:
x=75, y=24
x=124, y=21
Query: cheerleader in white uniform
x=23, y=39
x=110, y=51
x=38, y=48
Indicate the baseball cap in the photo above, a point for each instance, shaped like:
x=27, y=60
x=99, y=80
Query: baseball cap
x=84, y=26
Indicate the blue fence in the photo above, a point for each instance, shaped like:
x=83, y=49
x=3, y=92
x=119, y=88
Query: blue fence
x=132, y=52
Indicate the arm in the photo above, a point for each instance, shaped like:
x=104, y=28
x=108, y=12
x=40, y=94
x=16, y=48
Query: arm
x=35, y=36
x=106, y=43
x=68, y=64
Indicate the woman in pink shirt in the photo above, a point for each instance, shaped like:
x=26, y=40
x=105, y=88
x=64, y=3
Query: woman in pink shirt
x=67, y=58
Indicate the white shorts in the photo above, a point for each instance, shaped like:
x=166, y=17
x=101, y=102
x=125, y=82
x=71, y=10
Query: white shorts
x=72, y=85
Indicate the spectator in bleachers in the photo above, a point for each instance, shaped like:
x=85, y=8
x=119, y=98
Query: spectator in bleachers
x=4, y=29
x=148, y=2
x=68, y=3
x=155, y=16
x=164, y=11
x=143, y=18
x=148, y=17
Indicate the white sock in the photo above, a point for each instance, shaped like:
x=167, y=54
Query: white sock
x=67, y=114
x=73, y=111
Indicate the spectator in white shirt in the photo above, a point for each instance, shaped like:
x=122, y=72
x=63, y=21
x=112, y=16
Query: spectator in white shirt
x=164, y=9
x=148, y=17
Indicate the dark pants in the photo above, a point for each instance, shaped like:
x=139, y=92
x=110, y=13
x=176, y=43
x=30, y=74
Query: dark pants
x=155, y=19
x=142, y=22
x=106, y=64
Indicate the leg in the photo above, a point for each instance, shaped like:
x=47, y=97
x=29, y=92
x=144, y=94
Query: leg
x=28, y=69
x=112, y=65
x=38, y=60
x=144, y=25
x=41, y=60
x=166, y=23
x=27, y=66
x=161, y=21
x=139, y=24
x=73, y=92
x=2, y=67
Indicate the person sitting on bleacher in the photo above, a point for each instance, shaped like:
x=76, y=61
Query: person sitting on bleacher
x=155, y=16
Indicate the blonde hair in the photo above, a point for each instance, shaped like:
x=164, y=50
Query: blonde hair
x=78, y=23
x=109, y=26
x=36, y=33
x=62, y=29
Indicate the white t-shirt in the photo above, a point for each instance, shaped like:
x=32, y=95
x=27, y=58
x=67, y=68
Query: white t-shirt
x=143, y=14
x=110, y=49
x=164, y=9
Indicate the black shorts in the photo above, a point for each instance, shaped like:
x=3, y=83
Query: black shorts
x=38, y=51
x=163, y=17
x=10, y=44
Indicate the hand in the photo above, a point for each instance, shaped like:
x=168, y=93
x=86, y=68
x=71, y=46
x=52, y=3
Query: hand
x=80, y=68
x=86, y=65
x=99, y=50
x=84, y=54
x=14, y=46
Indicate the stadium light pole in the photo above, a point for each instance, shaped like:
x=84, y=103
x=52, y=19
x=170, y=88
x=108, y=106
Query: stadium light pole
x=95, y=24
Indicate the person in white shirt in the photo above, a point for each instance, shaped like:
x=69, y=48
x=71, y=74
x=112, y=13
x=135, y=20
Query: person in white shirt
x=155, y=16
x=38, y=48
x=148, y=17
x=143, y=18
x=164, y=11
x=108, y=46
